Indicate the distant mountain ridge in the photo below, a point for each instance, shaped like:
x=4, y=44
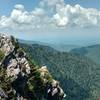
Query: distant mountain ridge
x=60, y=47
x=92, y=52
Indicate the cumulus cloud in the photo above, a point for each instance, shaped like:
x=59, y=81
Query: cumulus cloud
x=19, y=7
x=60, y=20
x=50, y=5
x=64, y=15
x=22, y=19
x=51, y=2
x=76, y=15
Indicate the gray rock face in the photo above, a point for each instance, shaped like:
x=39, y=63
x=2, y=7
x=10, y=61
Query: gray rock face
x=54, y=91
x=5, y=44
x=16, y=64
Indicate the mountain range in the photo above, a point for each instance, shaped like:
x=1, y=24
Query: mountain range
x=23, y=78
x=92, y=52
x=78, y=75
x=58, y=46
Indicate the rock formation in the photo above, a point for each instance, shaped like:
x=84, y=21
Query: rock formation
x=20, y=79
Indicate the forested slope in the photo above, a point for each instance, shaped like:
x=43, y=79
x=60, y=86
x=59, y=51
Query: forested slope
x=79, y=76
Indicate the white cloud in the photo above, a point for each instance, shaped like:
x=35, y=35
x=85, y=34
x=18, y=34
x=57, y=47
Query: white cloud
x=50, y=5
x=51, y=2
x=77, y=15
x=20, y=15
x=22, y=19
x=60, y=20
x=63, y=16
x=6, y=22
x=19, y=7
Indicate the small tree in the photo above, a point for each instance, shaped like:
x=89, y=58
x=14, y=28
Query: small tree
x=5, y=83
x=1, y=55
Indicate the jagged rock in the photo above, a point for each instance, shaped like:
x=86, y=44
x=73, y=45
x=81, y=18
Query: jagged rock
x=13, y=68
x=5, y=44
x=17, y=64
x=53, y=90
x=19, y=70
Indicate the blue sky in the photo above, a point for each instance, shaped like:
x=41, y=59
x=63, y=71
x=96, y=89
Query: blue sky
x=6, y=6
x=53, y=21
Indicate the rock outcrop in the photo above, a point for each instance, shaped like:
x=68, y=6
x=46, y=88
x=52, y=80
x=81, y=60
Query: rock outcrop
x=14, y=59
x=23, y=80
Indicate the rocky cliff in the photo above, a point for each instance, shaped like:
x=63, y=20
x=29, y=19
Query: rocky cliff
x=21, y=78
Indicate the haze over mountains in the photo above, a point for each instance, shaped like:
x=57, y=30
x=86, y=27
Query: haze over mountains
x=92, y=52
x=58, y=46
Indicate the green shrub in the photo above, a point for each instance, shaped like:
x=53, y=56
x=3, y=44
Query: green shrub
x=1, y=55
x=5, y=83
x=20, y=52
x=15, y=42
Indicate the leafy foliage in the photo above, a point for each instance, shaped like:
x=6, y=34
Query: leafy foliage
x=15, y=42
x=35, y=82
x=1, y=55
x=5, y=83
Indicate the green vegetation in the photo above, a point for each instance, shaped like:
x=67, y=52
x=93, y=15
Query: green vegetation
x=35, y=82
x=31, y=87
x=1, y=55
x=20, y=52
x=5, y=83
x=77, y=74
x=15, y=42
x=92, y=52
